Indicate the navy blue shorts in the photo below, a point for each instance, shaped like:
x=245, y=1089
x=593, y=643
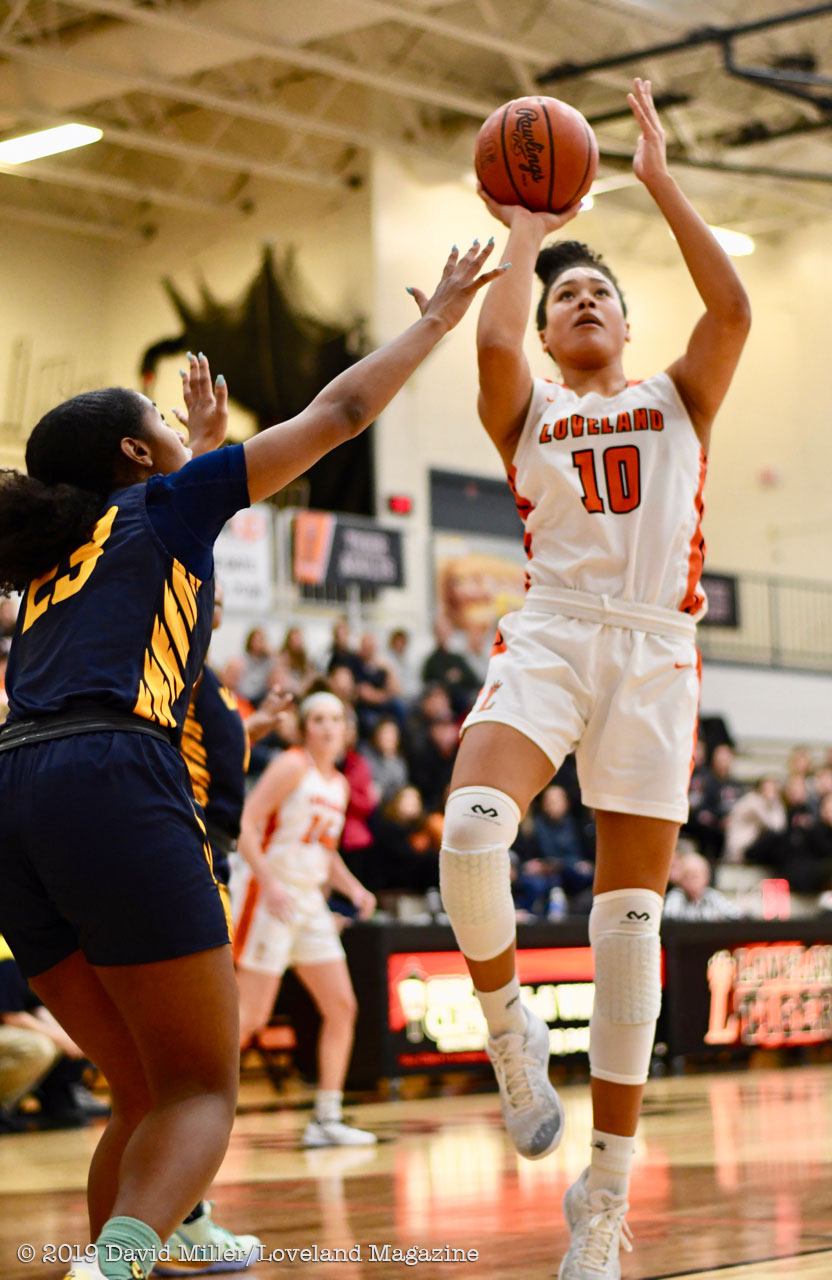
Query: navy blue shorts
x=101, y=850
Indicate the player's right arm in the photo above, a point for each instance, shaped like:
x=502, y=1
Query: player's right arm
x=278, y=781
x=355, y=398
x=505, y=376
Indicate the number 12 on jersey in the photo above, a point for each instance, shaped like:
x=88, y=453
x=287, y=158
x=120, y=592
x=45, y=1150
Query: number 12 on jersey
x=622, y=472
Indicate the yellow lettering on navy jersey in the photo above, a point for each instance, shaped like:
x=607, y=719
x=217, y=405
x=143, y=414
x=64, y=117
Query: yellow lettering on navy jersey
x=84, y=559
x=34, y=606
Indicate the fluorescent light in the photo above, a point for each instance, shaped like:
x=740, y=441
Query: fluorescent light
x=587, y=203
x=735, y=243
x=47, y=142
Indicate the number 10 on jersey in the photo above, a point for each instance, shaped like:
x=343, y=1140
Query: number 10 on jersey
x=622, y=473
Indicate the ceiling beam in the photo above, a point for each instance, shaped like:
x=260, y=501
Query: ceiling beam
x=58, y=222
x=88, y=180
x=180, y=22
x=293, y=122
x=693, y=39
x=191, y=152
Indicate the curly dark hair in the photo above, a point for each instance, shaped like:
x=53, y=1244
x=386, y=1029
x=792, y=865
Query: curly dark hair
x=557, y=258
x=72, y=459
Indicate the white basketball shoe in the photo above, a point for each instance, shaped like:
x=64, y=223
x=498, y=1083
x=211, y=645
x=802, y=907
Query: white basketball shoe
x=531, y=1108
x=597, y=1229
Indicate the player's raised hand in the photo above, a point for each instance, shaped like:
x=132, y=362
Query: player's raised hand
x=206, y=403
x=508, y=214
x=650, y=160
x=460, y=282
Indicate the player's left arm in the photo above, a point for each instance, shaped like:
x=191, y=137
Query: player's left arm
x=703, y=374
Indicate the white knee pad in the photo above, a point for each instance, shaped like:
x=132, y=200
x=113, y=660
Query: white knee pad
x=474, y=874
x=624, y=933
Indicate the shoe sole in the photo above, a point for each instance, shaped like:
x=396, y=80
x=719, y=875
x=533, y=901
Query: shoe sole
x=554, y=1144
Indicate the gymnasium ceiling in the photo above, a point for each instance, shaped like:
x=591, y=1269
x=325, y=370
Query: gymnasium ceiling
x=210, y=107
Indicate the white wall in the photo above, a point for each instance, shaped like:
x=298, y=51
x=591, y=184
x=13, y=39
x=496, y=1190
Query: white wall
x=778, y=706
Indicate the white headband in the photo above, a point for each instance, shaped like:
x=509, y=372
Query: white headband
x=321, y=699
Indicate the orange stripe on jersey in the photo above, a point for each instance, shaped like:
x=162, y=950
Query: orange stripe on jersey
x=246, y=916
x=696, y=724
x=694, y=599
x=499, y=643
x=524, y=508
x=271, y=826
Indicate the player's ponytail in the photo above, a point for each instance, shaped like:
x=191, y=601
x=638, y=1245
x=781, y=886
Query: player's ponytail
x=73, y=458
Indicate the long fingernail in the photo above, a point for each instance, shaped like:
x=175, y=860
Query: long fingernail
x=505, y=264
x=181, y=373
x=476, y=239
x=490, y=241
x=201, y=356
x=220, y=380
x=189, y=354
x=454, y=248
x=408, y=289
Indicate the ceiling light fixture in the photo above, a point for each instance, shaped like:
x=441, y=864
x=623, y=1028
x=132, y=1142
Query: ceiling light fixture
x=47, y=142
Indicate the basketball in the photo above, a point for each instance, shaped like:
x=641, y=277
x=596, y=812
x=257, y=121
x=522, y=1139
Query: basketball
x=538, y=152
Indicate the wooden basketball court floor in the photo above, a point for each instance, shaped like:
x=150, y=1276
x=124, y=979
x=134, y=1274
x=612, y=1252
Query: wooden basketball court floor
x=732, y=1182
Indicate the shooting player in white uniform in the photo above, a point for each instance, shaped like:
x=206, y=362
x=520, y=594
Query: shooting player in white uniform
x=601, y=659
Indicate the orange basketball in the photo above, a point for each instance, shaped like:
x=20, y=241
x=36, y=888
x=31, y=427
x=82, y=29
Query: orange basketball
x=538, y=152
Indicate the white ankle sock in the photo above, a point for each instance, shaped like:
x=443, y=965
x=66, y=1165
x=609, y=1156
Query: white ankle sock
x=612, y=1160
x=503, y=1010
x=328, y=1105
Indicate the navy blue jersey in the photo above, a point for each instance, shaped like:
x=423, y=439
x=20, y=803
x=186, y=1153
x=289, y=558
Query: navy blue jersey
x=215, y=747
x=125, y=620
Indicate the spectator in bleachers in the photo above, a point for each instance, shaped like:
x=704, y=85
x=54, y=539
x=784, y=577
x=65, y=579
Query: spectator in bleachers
x=407, y=843
x=431, y=767
x=447, y=667
x=821, y=785
x=405, y=668
x=376, y=687
x=299, y=668
x=479, y=639
x=341, y=681
x=799, y=763
x=434, y=704
x=231, y=674
x=38, y=1057
x=713, y=795
x=694, y=898
x=550, y=853
x=255, y=678
x=342, y=653
x=753, y=817
x=808, y=866
x=385, y=758
x=357, y=843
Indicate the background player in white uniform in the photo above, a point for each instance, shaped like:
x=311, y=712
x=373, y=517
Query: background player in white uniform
x=292, y=821
x=600, y=659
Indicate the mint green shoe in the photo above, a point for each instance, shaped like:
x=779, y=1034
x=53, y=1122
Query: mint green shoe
x=202, y=1248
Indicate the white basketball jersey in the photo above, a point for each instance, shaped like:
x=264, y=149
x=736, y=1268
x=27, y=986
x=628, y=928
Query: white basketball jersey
x=301, y=834
x=610, y=492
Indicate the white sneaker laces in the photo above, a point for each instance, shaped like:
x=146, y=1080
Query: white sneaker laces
x=606, y=1230
x=515, y=1069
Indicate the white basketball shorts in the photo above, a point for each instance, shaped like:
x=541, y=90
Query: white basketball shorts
x=617, y=683
x=266, y=944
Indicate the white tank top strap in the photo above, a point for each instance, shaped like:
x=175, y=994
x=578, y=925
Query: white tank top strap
x=611, y=612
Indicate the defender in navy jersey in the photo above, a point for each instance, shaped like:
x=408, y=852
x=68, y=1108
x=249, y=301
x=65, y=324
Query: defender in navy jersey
x=109, y=902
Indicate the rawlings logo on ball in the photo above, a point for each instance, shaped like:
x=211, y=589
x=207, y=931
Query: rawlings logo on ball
x=522, y=143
